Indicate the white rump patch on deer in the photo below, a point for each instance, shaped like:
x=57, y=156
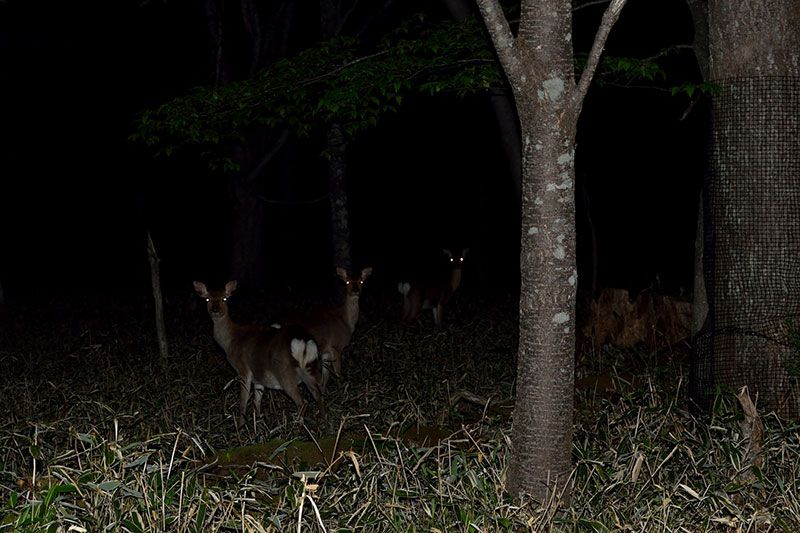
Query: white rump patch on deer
x=312, y=352
x=304, y=352
x=561, y=318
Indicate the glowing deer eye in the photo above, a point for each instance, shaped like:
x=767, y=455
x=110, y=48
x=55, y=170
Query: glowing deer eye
x=208, y=299
x=224, y=299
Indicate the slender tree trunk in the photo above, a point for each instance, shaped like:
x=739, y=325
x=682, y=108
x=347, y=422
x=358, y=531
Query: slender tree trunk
x=331, y=22
x=266, y=30
x=699, y=11
x=752, y=240
x=248, y=255
x=504, y=113
x=158, y=300
x=340, y=214
x=539, y=66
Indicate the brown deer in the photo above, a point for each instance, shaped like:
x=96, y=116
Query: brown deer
x=333, y=328
x=434, y=292
x=264, y=357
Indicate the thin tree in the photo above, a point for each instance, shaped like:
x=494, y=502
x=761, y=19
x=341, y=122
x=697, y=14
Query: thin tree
x=266, y=33
x=334, y=16
x=539, y=65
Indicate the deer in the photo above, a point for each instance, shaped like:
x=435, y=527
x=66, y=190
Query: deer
x=332, y=328
x=433, y=292
x=264, y=357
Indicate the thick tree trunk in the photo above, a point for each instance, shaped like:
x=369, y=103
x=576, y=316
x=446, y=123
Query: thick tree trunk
x=752, y=240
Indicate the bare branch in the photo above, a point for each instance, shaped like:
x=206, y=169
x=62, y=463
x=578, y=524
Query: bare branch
x=609, y=18
x=589, y=4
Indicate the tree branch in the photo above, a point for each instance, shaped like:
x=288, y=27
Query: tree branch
x=609, y=18
x=589, y=4
x=502, y=38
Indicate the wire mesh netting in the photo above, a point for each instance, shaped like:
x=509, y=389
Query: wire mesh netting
x=752, y=244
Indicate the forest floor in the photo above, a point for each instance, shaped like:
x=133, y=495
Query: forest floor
x=96, y=431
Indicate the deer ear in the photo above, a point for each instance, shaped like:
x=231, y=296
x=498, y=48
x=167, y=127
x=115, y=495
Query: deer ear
x=200, y=288
x=366, y=273
x=230, y=287
x=464, y=253
x=447, y=252
x=342, y=273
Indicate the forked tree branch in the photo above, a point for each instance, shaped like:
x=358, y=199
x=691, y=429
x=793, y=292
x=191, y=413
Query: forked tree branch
x=609, y=18
x=502, y=38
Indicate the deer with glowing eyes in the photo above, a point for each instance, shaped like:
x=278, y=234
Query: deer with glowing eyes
x=433, y=292
x=264, y=357
x=333, y=328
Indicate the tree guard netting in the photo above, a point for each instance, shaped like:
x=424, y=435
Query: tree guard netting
x=752, y=245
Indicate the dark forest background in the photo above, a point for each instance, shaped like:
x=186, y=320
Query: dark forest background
x=76, y=197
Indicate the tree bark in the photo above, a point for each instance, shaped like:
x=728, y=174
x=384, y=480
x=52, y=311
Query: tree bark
x=538, y=63
x=699, y=11
x=331, y=22
x=340, y=214
x=752, y=239
x=158, y=300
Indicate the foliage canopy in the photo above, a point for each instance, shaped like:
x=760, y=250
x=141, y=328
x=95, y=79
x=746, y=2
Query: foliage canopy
x=344, y=81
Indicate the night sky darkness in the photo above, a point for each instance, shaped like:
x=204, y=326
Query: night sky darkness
x=76, y=196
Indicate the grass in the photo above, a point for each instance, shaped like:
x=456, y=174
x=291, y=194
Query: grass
x=96, y=434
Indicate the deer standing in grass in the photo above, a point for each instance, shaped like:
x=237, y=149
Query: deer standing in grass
x=432, y=293
x=264, y=357
x=333, y=328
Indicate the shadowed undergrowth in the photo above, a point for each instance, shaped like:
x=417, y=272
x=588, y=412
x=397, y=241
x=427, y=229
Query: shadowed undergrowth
x=96, y=433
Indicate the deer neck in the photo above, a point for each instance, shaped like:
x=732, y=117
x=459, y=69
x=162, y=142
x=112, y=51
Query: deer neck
x=350, y=311
x=455, y=278
x=223, y=331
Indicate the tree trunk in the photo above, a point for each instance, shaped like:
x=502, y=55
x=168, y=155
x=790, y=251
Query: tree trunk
x=338, y=197
x=539, y=66
x=752, y=240
x=331, y=21
x=504, y=114
x=542, y=431
x=699, y=11
x=248, y=256
x=158, y=300
x=266, y=32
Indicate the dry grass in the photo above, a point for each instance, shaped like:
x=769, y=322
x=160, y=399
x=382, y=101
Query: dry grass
x=96, y=434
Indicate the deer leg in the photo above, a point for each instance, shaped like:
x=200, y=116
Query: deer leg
x=257, y=394
x=293, y=391
x=244, y=396
x=337, y=362
x=437, y=315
